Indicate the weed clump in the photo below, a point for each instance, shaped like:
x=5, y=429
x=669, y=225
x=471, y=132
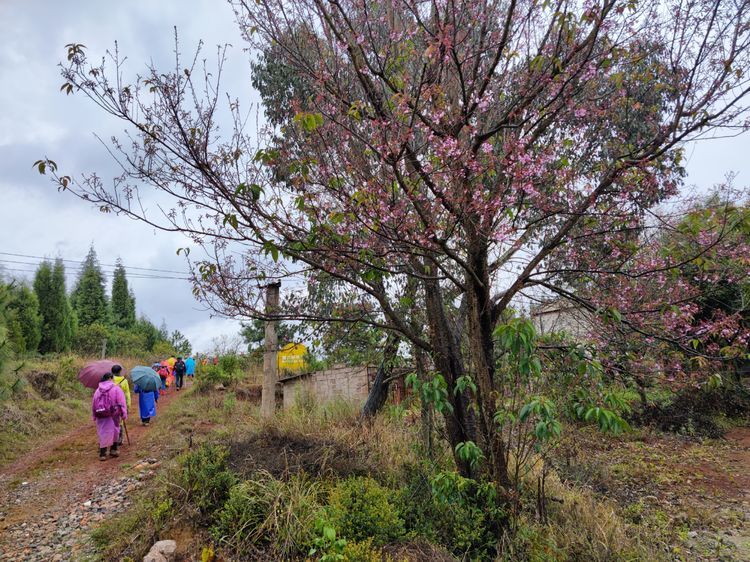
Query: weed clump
x=360, y=509
x=205, y=479
x=265, y=511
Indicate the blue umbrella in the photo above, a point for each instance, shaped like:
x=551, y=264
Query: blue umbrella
x=145, y=378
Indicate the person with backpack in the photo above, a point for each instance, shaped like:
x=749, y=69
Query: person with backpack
x=108, y=407
x=163, y=372
x=179, y=372
x=119, y=379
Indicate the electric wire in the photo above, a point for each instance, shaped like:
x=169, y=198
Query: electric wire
x=43, y=258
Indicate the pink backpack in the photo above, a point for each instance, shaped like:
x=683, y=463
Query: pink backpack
x=104, y=404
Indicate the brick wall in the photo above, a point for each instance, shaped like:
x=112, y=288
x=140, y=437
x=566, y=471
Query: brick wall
x=349, y=383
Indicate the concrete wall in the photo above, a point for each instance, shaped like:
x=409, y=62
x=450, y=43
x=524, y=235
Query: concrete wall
x=348, y=383
x=561, y=316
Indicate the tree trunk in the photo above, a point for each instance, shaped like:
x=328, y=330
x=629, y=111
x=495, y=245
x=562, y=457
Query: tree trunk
x=480, y=326
x=379, y=391
x=448, y=361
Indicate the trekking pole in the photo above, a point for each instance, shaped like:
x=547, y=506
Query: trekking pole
x=127, y=435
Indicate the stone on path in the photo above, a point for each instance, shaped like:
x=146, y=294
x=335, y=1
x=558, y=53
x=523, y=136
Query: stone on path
x=162, y=551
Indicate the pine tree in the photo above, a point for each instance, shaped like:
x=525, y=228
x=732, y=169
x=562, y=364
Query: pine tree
x=89, y=298
x=25, y=322
x=54, y=308
x=147, y=329
x=69, y=323
x=123, y=300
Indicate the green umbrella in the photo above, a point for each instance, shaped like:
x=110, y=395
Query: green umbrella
x=145, y=378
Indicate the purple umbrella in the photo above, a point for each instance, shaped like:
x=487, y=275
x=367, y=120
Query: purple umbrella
x=92, y=373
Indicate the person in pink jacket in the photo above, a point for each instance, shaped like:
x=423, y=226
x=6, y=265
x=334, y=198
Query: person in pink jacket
x=108, y=407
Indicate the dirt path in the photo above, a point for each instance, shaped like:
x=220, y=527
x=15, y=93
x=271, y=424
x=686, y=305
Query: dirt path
x=51, y=496
x=733, y=483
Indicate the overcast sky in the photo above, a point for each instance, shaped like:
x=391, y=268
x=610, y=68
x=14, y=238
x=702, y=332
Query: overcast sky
x=36, y=120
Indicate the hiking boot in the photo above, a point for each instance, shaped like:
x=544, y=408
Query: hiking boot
x=113, y=452
x=103, y=454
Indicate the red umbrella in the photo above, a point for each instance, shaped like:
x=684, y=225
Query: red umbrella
x=92, y=373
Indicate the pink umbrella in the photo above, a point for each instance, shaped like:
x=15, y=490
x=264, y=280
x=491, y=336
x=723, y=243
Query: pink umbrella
x=92, y=373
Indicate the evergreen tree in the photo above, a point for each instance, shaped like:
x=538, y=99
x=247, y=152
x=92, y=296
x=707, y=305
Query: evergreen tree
x=180, y=343
x=54, y=308
x=25, y=322
x=163, y=331
x=89, y=297
x=147, y=329
x=70, y=322
x=123, y=300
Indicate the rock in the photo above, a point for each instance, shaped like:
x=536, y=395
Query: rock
x=24, y=483
x=162, y=551
x=681, y=517
x=87, y=503
x=692, y=534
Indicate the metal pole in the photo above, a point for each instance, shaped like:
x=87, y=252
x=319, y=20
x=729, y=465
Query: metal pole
x=270, y=357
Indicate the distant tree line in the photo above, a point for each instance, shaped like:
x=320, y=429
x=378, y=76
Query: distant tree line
x=44, y=318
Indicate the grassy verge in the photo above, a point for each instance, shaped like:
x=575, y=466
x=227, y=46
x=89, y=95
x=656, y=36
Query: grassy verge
x=316, y=480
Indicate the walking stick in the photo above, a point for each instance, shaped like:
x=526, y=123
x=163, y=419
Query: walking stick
x=127, y=435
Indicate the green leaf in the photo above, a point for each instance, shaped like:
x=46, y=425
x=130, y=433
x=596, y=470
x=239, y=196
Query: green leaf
x=256, y=191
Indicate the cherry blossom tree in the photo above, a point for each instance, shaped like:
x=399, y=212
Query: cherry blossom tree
x=443, y=156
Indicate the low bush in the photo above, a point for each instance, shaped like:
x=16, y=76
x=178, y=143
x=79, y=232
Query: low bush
x=458, y=513
x=205, y=479
x=363, y=551
x=268, y=511
x=359, y=508
x=212, y=376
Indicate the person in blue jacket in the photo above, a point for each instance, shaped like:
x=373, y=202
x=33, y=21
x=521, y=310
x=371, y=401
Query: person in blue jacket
x=147, y=400
x=190, y=364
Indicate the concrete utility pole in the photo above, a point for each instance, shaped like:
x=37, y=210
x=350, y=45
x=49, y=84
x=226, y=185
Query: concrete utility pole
x=270, y=361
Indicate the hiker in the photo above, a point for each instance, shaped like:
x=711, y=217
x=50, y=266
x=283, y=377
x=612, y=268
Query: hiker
x=147, y=400
x=179, y=372
x=162, y=371
x=170, y=363
x=190, y=365
x=119, y=379
x=108, y=407
x=167, y=373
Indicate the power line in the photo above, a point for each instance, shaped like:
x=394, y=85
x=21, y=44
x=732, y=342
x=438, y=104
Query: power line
x=136, y=275
x=43, y=258
x=132, y=276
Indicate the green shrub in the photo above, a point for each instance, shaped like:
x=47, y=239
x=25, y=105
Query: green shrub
x=88, y=341
x=231, y=365
x=205, y=478
x=362, y=551
x=212, y=375
x=446, y=509
x=360, y=508
x=265, y=510
x=230, y=403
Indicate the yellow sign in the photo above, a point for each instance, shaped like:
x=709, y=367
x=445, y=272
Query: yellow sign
x=291, y=357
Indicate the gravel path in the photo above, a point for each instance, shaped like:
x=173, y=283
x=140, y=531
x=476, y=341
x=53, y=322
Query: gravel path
x=51, y=498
